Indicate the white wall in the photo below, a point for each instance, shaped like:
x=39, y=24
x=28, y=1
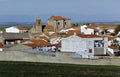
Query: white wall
x=1, y=49
x=77, y=44
x=86, y=30
x=90, y=45
x=111, y=50
x=60, y=58
x=73, y=44
x=111, y=30
x=12, y=30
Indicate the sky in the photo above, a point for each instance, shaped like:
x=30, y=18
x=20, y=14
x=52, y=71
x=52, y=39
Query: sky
x=77, y=10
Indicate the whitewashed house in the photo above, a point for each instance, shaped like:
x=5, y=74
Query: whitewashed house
x=112, y=50
x=67, y=30
x=15, y=29
x=85, y=45
x=111, y=30
x=86, y=30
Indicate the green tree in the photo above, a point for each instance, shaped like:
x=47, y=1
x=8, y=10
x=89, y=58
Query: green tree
x=104, y=31
x=116, y=43
x=112, y=34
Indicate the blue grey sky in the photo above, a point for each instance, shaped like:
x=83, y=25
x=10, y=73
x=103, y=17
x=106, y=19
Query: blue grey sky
x=77, y=10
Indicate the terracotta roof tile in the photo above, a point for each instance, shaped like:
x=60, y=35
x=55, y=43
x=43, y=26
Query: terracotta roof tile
x=56, y=45
x=59, y=18
x=73, y=31
x=38, y=43
x=89, y=36
x=47, y=34
x=107, y=27
x=30, y=45
x=21, y=28
x=112, y=47
x=54, y=34
x=92, y=26
x=111, y=38
x=82, y=35
x=48, y=27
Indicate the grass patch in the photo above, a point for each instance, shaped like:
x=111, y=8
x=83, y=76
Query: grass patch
x=35, y=69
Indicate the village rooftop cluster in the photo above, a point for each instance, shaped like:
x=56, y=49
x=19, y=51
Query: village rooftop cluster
x=84, y=41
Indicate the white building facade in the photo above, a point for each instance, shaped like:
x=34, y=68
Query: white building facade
x=15, y=29
x=86, y=30
x=12, y=30
x=86, y=47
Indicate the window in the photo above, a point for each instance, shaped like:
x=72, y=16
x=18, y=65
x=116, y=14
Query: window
x=65, y=23
x=90, y=50
x=98, y=43
x=58, y=23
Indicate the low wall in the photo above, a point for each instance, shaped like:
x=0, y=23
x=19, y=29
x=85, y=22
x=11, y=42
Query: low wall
x=60, y=58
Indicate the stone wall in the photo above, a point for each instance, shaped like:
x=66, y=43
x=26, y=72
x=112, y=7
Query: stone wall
x=60, y=58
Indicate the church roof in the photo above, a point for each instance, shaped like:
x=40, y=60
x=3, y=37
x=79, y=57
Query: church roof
x=59, y=18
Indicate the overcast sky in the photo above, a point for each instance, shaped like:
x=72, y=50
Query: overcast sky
x=77, y=10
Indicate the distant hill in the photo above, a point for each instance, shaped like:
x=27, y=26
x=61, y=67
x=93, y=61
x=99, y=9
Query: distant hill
x=8, y=24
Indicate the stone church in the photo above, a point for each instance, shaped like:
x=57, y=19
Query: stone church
x=59, y=22
x=37, y=28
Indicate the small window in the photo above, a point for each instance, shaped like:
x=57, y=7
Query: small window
x=90, y=50
x=65, y=23
x=58, y=23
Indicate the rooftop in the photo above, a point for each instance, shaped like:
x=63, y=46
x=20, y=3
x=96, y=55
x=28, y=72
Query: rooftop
x=88, y=36
x=38, y=43
x=59, y=18
x=48, y=27
x=21, y=28
x=15, y=35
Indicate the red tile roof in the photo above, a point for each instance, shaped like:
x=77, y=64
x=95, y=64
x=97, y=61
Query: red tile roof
x=107, y=27
x=111, y=38
x=55, y=34
x=21, y=28
x=48, y=27
x=31, y=45
x=92, y=26
x=52, y=35
x=47, y=34
x=59, y=18
x=112, y=47
x=39, y=43
x=83, y=35
x=89, y=36
x=56, y=45
x=73, y=31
